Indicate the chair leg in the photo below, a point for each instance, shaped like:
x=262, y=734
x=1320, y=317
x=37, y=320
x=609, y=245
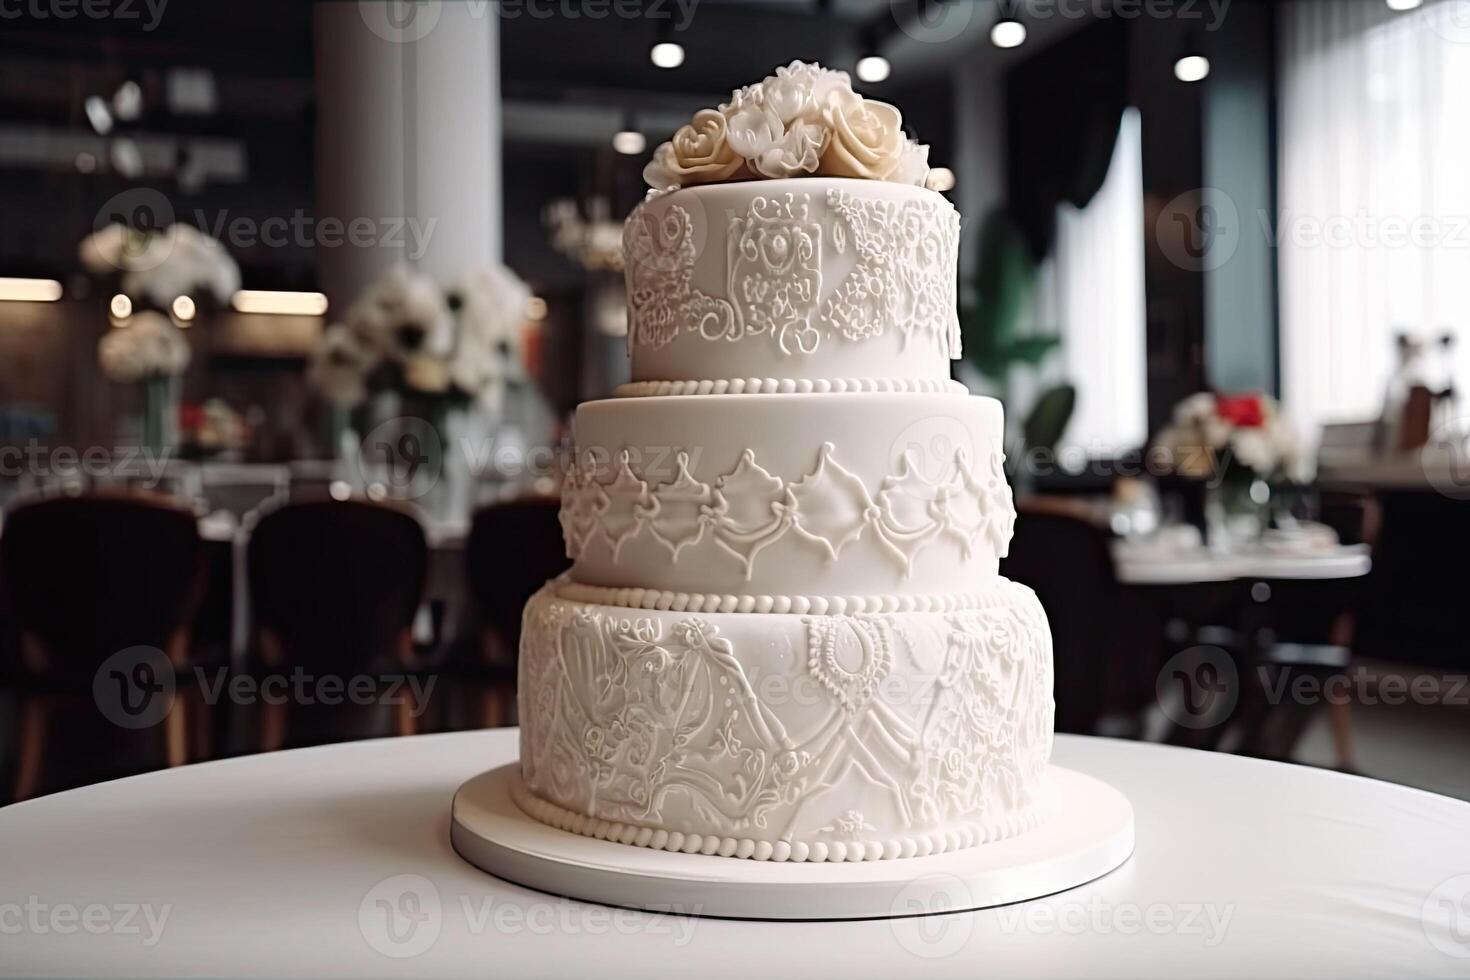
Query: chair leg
x=1339, y=714
x=176, y=733
x=32, y=748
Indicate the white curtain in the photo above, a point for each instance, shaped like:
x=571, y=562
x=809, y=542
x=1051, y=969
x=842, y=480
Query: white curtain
x=1374, y=196
x=1090, y=289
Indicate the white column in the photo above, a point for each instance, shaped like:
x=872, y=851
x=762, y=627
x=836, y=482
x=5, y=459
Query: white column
x=408, y=139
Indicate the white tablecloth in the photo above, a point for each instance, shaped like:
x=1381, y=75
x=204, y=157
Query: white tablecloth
x=290, y=864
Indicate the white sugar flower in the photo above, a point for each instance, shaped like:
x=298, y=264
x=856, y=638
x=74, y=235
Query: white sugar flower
x=796, y=153
x=913, y=165
x=753, y=128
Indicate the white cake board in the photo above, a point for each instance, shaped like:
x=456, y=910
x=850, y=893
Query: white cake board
x=1088, y=834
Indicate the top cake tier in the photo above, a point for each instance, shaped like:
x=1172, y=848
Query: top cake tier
x=807, y=278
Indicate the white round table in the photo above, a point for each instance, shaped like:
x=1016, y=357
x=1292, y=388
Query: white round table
x=336, y=861
x=1138, y=566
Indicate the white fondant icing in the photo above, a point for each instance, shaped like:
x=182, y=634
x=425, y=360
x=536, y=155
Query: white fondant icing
x=863, y=493
x=816, y=277
x=830, y=737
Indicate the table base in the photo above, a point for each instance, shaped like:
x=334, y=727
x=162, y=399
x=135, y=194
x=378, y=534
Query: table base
x=1089, y=833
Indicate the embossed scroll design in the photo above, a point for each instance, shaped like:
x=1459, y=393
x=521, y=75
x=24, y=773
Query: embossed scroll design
x=903, y=277
x=625, y=720
x=749, y=509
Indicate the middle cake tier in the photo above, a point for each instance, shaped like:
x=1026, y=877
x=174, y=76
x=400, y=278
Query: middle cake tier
x=788, y=495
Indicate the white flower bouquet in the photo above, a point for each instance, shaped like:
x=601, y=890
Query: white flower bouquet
x=148, y=346
x=1219, y=437
x=406, y=333
x=161, y=266
x=803, y=120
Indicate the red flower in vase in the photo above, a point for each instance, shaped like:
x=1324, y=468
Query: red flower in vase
x=1241, y=411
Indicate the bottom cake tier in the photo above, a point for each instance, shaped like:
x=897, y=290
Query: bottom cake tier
x=783, y=735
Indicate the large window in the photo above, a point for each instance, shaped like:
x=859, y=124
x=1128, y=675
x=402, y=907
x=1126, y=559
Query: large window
x=1374, y=226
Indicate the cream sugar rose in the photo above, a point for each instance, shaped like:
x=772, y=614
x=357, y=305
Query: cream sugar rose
x=784, y=636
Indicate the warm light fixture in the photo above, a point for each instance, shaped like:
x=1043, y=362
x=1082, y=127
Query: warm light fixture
x=279, y=301
x=535, y=308
x=940, y=179
x=1192, y=68
x=667, y=54
x=98, y=114
x=1008, y=32
x=1404, y=4
x=184, y=309
x=127, y=101
x=629, y=141
x=29, y=290
x=120, y=306
x=873, y=68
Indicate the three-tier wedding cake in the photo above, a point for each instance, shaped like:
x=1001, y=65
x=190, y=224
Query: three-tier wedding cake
x=784, y=636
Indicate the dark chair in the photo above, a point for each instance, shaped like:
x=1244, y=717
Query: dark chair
x=513, y=549
x=1066, y=559
x=334, y=587
x=86, y=579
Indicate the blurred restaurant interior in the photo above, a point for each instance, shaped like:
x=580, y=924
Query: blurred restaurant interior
x=1214, y=260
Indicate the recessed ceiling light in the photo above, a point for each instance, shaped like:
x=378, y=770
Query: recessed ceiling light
x=1192, y=68
x=629, y=141
x=667, y=54
x=1404, y=4
x=1008, y=33
x=873, y=68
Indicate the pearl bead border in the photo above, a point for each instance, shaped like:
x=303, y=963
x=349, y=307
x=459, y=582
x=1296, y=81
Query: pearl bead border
x=662, y=600
x=962, y=835
x=790, y=386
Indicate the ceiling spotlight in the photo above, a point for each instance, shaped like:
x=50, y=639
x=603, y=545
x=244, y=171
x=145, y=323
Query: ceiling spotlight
x=184, y=309
x=1192, y=68
x=940, y=179
x=1008, y=32
x=98, y=114
x=667, y=54
x=120, y=306
x=873, y=68
x=1404, y=4
x=629, y=141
